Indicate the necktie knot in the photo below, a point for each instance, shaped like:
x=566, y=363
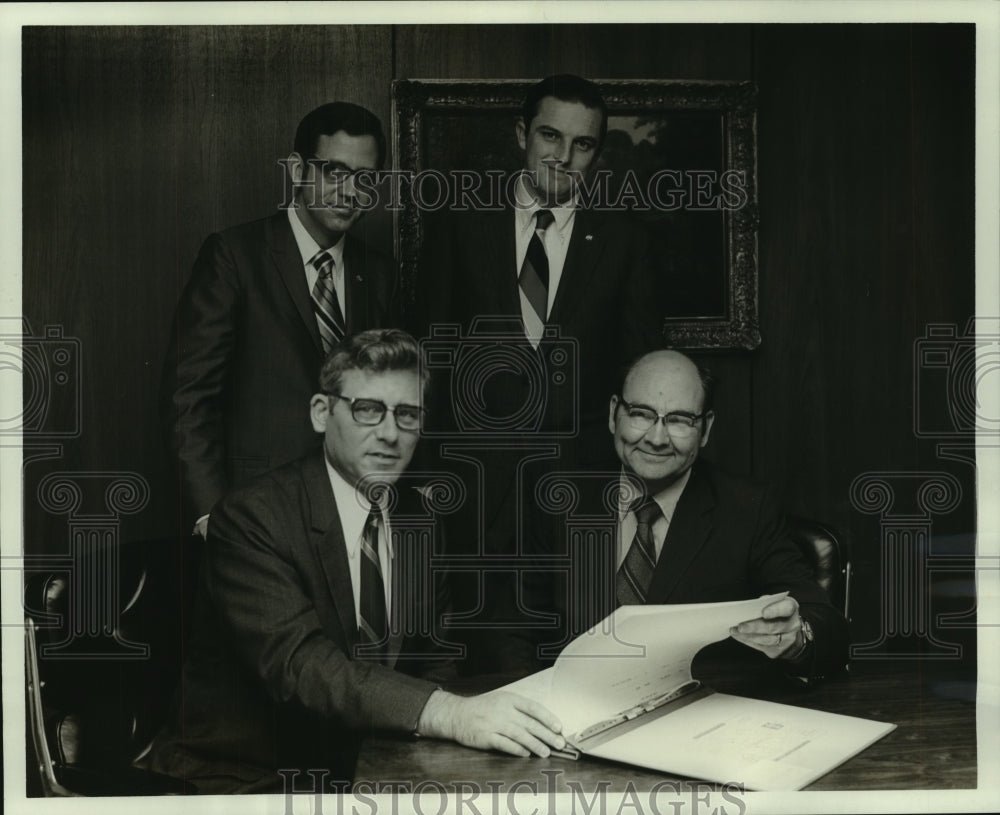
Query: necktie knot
x=544, y=219
x=646, y=510
x=324, y=263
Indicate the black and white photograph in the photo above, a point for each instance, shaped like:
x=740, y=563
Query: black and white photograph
x=500, y=407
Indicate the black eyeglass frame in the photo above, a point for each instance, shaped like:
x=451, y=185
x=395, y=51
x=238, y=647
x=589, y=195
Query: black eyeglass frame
x=691, y=419
x=353, y=401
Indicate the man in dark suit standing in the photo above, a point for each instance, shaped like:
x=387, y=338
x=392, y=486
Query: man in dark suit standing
x=309, y=582
x=672, y=529
x=265, y=303
x=551, y=300
x=548, y=271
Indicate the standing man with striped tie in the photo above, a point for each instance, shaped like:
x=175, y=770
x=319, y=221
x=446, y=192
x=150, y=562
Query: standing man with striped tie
x=265, y=303
x=574, y=289
x=318, y=622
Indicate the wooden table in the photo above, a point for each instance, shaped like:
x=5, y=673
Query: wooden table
x=932, y=747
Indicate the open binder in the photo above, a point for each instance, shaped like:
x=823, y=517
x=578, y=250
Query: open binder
x=624, y=691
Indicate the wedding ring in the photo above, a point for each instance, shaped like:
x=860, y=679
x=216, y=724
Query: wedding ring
x=779, y=640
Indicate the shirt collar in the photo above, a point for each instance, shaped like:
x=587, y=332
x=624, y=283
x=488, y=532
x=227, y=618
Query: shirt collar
x=526, y=205
x=666, y=498
x=353, y=508
x=308, y=248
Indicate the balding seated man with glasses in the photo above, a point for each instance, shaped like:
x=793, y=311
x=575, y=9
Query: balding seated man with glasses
x=684, y=532
x=315, y=625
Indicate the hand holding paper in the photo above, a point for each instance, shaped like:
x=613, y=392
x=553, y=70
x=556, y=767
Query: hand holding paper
x=777, y=631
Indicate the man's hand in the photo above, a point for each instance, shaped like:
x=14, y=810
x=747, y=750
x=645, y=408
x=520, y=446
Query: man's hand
x=498, y=720
x=778, y=630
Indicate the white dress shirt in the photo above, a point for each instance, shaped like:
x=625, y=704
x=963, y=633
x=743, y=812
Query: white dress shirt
x=666, y=498
x=353, y=509
x=308, y=249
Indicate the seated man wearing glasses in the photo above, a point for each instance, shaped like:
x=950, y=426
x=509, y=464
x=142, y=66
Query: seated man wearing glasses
x=681, y=531
x=317, y=616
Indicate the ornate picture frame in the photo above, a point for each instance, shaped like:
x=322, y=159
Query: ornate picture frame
x=679, y=155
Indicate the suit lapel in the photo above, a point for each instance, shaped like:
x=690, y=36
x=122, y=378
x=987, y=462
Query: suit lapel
x=284, y=254
x=327, y=540
x=400, y=577
x=331, y=551
x=501, y=249
x=582, y=256
x=690, y=528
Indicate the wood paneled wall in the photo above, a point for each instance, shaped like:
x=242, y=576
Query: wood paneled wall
x=139, y=142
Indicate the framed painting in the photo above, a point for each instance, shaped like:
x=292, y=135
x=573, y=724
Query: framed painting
x=680, y=157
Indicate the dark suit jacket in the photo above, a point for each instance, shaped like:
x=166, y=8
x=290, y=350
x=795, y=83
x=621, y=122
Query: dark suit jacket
x=607, y=310
x=245, y=353
x=271, y=681
x=726, y=541
x=608, y=307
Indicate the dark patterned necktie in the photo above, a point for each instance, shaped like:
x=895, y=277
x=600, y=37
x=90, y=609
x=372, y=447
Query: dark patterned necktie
x=636, y=571
x=534, y=276
x=329, y=317
x=372, y=625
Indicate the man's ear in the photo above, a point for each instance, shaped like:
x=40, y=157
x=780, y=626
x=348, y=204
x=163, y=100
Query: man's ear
x=521, y=132
x=709, y=421
x=611, y=414
x=319, y=411
x=296, y=167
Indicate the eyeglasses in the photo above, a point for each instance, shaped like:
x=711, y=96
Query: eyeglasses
x=679, y=424
x=372, y=412
x=336, y=174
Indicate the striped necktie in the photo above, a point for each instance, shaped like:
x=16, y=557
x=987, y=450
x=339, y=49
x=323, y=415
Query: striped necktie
x=636, y=571
x=372, y=621
x=534, y=276
x=329, y=317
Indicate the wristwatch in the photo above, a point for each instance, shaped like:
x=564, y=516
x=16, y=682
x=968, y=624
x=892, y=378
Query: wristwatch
x=807, y=630
x=807, y=638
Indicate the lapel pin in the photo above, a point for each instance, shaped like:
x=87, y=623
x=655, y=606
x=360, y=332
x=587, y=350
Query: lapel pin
x=588, y=237
x=357, y=277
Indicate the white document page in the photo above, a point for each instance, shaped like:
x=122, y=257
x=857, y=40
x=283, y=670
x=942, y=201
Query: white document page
x=761, y=745
x=634, y=655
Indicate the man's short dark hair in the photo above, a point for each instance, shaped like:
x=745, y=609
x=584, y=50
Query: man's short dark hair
x=332, y=117
x=565, y=88
x=374, y=351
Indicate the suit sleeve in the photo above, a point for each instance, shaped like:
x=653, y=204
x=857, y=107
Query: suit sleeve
x=777, y=565
x=254, y=583
x=195, y=374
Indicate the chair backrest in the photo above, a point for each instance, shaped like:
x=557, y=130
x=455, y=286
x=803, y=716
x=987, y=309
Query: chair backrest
x=828, y=554
x=99, y=688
